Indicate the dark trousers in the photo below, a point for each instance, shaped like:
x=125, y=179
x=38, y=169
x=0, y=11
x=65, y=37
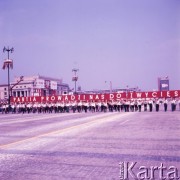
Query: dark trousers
x=157, y=107
x=165, y=107
x=150, y=107
x=145, y=107
x=173, y=107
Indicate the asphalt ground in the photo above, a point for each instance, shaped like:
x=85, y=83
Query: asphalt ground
x=88, y=145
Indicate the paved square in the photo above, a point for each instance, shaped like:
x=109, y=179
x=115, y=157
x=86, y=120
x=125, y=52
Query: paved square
x=87, y=146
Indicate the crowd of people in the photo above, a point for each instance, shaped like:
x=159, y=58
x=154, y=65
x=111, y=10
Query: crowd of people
x=124, y=105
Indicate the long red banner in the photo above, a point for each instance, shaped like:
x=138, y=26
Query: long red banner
x=99, y=97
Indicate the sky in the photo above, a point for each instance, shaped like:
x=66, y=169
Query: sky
x=125, y=42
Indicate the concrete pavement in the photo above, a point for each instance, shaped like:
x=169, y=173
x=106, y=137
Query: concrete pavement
x=87, y=146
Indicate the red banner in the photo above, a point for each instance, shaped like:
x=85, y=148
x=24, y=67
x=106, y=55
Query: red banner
x=99, y=97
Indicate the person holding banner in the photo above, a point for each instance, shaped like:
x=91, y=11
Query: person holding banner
x=165, y=104
x=136, y=105
x=79, y=106
x=150, y=105
x=13, y=108
x=132, y=105
x=74, y=106
x=67, y=106
x=145, y=105
x=93, y=106
x=4, y=108
x=122, y=105
x=139, y=104
x=110, y=106
x=173, y=104
x=85, y=106
x=157, y=105
x=119, y=105
x=126, y=105
x=105, y=106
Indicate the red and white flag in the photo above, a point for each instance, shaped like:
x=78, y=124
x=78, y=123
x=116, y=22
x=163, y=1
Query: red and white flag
x=8, y=63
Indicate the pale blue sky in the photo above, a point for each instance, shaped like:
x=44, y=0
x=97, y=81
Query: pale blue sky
x=126, y=42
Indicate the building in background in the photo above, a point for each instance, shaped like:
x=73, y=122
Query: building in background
x=114, y=90
x=35, y=86
x=163, y=83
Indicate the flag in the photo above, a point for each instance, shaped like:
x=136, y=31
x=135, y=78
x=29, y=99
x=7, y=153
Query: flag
x=8, y=63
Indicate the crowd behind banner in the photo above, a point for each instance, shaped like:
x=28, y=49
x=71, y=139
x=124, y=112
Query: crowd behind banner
x=121, y=105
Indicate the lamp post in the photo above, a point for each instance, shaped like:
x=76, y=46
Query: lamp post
x=127, y=90
x=8, y=63
x=75, y=78
x=110, y=86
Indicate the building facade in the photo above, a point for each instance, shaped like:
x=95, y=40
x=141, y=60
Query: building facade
x=34, y=86
x=114, y=90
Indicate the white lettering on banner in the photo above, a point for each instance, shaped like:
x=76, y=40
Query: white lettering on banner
x=66, y=98
x=154, y=94
x=97, y=97
x=91, y=97
x=176, y=94
x=73, y=97
x=53, y=98
x=118, y=96
x=161, y=94
x=59, y=98
x=138, y=95
x=146, y=94
x=131, y=95
x=168, y=94
x=84, y=97
x=102, y=96
x=111, y=96
x=79, y=97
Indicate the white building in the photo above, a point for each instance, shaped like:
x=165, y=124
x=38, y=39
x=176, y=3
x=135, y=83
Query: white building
x=34, y=86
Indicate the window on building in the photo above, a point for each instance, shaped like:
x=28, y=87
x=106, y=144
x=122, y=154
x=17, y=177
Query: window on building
x=5, y=89
x=14, y=94
x=5, y=93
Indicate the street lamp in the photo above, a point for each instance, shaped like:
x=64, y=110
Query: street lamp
x=127, y=90
x=110, y=86
x=8, y=63
x=75, y=78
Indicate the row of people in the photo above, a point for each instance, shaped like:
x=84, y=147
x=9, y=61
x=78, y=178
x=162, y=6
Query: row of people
x=121, y=105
